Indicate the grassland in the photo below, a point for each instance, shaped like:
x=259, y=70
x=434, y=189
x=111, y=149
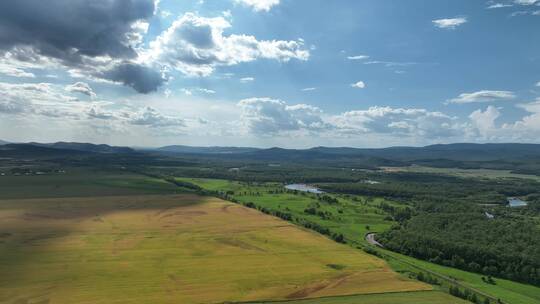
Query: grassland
x=357, y=213
x=351, y=218
x=507, y=291
x=173, y=249
x=77, y=182
x=472, y=173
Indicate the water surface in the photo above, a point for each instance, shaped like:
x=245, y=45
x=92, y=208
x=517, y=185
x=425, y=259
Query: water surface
x=304, y=188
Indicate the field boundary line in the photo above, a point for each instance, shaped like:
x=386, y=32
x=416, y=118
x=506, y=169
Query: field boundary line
x=330, y=297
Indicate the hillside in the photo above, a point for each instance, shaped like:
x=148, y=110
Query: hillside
x=205, y=150
x=37, y=152
x=86, y=147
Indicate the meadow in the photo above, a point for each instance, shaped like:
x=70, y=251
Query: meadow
x=474, y=173
x=77, y=182
x=352, y=217
x=173, y=249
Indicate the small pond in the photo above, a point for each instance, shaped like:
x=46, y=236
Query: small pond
x=304, y=188
x=516, y=202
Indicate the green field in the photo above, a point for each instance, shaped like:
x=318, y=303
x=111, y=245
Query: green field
x=507, y=291
x=76, y=182
x=348, y=217
x=173, y=249
x=474, y=173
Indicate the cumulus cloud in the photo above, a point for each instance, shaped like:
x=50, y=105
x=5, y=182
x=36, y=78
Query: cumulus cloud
x=13, y=71
x=397, y=121
x=102, y=40
x=484, y=121
x=358, y=85
x=483, y=96
x=196, y=45
x=91, y=28
x=43, y=99
x=98, y=113
x=449, y=23
x=141, y=78
x=81, y=87
x=149, y=116
x=266, y=116
x=95, y=38
x=529, y=124
x=259, y=5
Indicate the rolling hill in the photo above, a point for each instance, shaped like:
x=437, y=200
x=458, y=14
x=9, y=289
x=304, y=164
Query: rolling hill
x=205, y=150
x=85, y=147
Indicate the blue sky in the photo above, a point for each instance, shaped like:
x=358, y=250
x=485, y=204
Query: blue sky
x=292, y=73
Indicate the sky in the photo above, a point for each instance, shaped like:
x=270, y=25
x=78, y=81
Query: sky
x=265, y=73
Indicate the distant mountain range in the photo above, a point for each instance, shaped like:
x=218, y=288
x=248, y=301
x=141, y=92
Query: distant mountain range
x=205, y=150
x=452, y=152
x=36, y=151
x=84, y=147
x=59, y=149
x=448, y=155
x=456, y=152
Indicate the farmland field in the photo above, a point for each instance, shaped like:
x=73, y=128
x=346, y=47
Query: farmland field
x=77, y=182
x=417, y=297
x=354, y=218
x=173, y=249
x=471, y=173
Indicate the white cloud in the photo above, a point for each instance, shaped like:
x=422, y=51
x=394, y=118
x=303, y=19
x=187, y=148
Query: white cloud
x=483, y=96
x=149, y=116
x=528, y=126
x=247, y=79
x=30, y=97
x=358, y=57
x=449, y=23
x=168, y=93
x=358, y=85
x=191, y=91
x=259, y=5
x=390, y=64
x=14, y=71
x=81, y=87
x=498, y=5
x=266, y=116
x=97, y=112
x=308, y=89
x=397, y=121
x=538, y=84
x=484, y=121
x=196, y=45
x=525, y=2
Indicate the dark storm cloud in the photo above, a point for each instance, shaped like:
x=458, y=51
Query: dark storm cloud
x=141, y=78
x=75, y=31
x=67, y=29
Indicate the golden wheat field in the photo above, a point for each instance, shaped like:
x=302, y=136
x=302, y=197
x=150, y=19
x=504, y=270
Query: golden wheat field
x=172, y=249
